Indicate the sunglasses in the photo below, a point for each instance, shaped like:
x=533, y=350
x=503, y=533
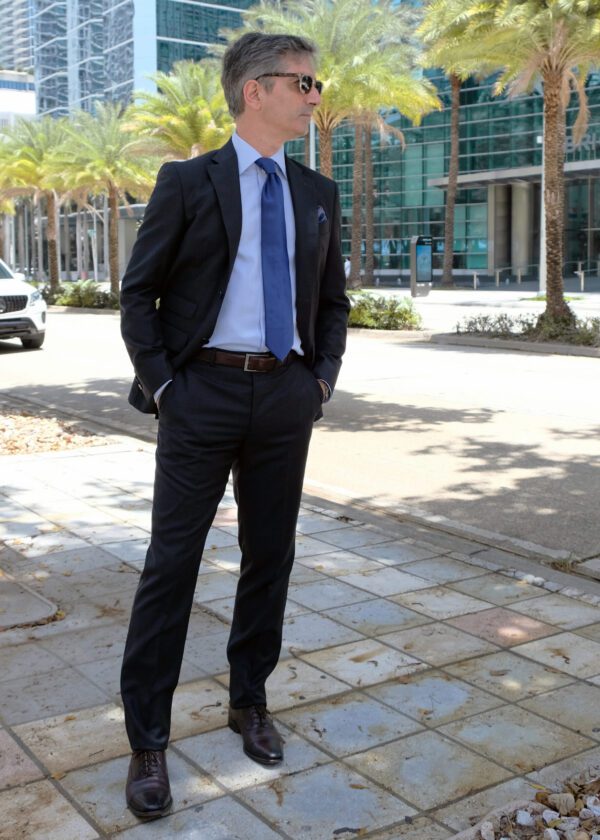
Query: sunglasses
x=305, y=82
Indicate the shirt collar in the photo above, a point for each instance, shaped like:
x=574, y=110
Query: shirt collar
x=247, y=155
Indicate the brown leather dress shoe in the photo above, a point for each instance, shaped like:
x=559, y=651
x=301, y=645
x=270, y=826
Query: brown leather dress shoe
x=148, y=791
x=262, y=742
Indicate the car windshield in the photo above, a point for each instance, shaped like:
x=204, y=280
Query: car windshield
x=4, y=272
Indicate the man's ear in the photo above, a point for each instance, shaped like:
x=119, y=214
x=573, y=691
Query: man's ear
x=252, y=94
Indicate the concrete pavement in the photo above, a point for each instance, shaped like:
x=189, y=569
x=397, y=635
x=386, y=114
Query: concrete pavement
x=425, y=679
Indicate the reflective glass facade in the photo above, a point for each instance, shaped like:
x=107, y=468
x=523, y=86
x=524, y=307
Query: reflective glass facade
x=497, y=219
x=16, y=37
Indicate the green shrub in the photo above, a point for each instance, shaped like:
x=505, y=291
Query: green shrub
x=86, y=294
x=580, y=331
x=383, y=313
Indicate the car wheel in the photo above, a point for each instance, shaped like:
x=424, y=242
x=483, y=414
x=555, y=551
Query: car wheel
x=33, y=343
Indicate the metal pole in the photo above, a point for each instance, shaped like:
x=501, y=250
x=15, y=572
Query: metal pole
x=542, y=272
x=312, y=145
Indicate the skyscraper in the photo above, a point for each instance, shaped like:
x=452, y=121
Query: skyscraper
x=87, y=50
x=16, y=43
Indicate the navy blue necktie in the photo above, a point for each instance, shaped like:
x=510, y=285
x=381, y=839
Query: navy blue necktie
x=279, y=324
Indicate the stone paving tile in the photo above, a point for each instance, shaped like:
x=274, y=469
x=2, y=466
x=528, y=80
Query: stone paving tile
x=576, y=706
x=349, y=723
x=16, y=768
x=591, y=632
x=21, y=526
x=566, y=652
x=21, y=605
x=203, y=622
x=466, y=812
x=99, y=581
x=440, y=602
x=309, y=546
x=355, y=537
x=554, y=774
x=386, y=581
x=220, y=819
x=220, y=754
x=106, y=674
x=326, y=594
x=315, y=523
x=509, y=676
x=215, y=585
x=223, y=608
x=339, y=563
x=130, y=551
x=38, y=812
x=437, y=644
x=516, y=738
x=434, y=698
x=198, y=707
x=42, y=544
x=70, y=562
x=498, y=589
x=502, y=627
x=294, y=682
x=421, y=828
x=87, y=645
x=100, y=790
x=364, y=663
x=304, y=574
x=562, y=612
x=37, y=696
x=427, y=769
x=311, y=631
x=443, y=570
x=227, y=558
x=219, y=538
x=396, y=552
x=317, y=804
x=376, y=616
x=447, y=542
x=65, y=742
x=210, y=654
x=114, y=532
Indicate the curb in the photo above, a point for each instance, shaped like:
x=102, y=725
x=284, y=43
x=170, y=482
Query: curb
x=80, y=310
x=546, y=347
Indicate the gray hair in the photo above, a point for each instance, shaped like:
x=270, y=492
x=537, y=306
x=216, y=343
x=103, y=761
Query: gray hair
x=252, y=55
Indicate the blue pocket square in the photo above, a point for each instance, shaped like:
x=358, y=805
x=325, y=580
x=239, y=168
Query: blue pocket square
x=321, y=215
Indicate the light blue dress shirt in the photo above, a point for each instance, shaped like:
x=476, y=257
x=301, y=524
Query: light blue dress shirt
x=241, y=322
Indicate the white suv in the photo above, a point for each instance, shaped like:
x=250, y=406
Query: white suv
x=22, y=309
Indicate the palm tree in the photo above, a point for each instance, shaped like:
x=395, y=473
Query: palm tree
x=7, y=208
x=30, y=151
x=188, y=114
x=101, y=156
x=443, y=32
x=557, y=42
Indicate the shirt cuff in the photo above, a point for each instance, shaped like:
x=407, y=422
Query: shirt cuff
x=327, y=394
x=158, y=392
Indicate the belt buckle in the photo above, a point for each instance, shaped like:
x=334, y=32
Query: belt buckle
x=247, y=358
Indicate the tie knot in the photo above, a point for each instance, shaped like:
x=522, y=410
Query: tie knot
x=268, y=164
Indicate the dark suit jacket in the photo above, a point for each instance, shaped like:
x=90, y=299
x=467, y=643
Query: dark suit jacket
x=180, y=266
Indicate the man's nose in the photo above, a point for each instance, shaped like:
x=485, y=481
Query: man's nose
x=313, y=96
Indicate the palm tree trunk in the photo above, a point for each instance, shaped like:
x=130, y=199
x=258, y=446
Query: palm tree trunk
x=67, y=239
x=22, y=258
x=554, y=193
x=32, y=249
x=2, y=236
x=447, y=281
x=357, y=201
x=40, y=240
x=51, y=237
x=113, y=238
x=78, y=238
x=326, y=152
x=369, y=208
x=85, y=255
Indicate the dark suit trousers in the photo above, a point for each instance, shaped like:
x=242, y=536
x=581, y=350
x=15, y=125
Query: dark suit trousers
x=214, y=419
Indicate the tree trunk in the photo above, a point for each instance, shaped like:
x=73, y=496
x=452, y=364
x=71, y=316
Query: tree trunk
x=51, y=237
x=67, y=238
x=32, y=249
x=40, y=240
x=447, y=281
x=355, y=281
x=85, y=245
x=22, y=251
x=78, y=238
x=113, y=238
x=369, y=208
x=2, y=236
x=554, y=193
x=326, y=152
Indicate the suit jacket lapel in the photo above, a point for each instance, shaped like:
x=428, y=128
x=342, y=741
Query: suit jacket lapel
x=304, y=199
x=224, y=174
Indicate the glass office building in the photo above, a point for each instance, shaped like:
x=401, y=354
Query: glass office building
x=497, y=224
x=16, y=41
x=89, y=50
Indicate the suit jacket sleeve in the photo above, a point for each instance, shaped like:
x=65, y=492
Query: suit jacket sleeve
x=333, y=306
x=146, y=276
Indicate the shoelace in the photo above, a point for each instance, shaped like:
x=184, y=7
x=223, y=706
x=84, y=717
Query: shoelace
x=151, y=766
x=261, y=713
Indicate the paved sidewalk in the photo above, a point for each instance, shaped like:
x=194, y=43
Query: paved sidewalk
x=423, y=682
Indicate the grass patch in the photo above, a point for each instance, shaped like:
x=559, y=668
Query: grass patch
x=382, y=313
x=584, y=332
x=543, y=298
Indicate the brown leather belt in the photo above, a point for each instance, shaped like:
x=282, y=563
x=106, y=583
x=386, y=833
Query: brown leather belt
x=250, y=362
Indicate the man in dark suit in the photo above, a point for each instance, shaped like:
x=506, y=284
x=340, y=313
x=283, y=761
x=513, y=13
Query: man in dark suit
x=234, y=315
